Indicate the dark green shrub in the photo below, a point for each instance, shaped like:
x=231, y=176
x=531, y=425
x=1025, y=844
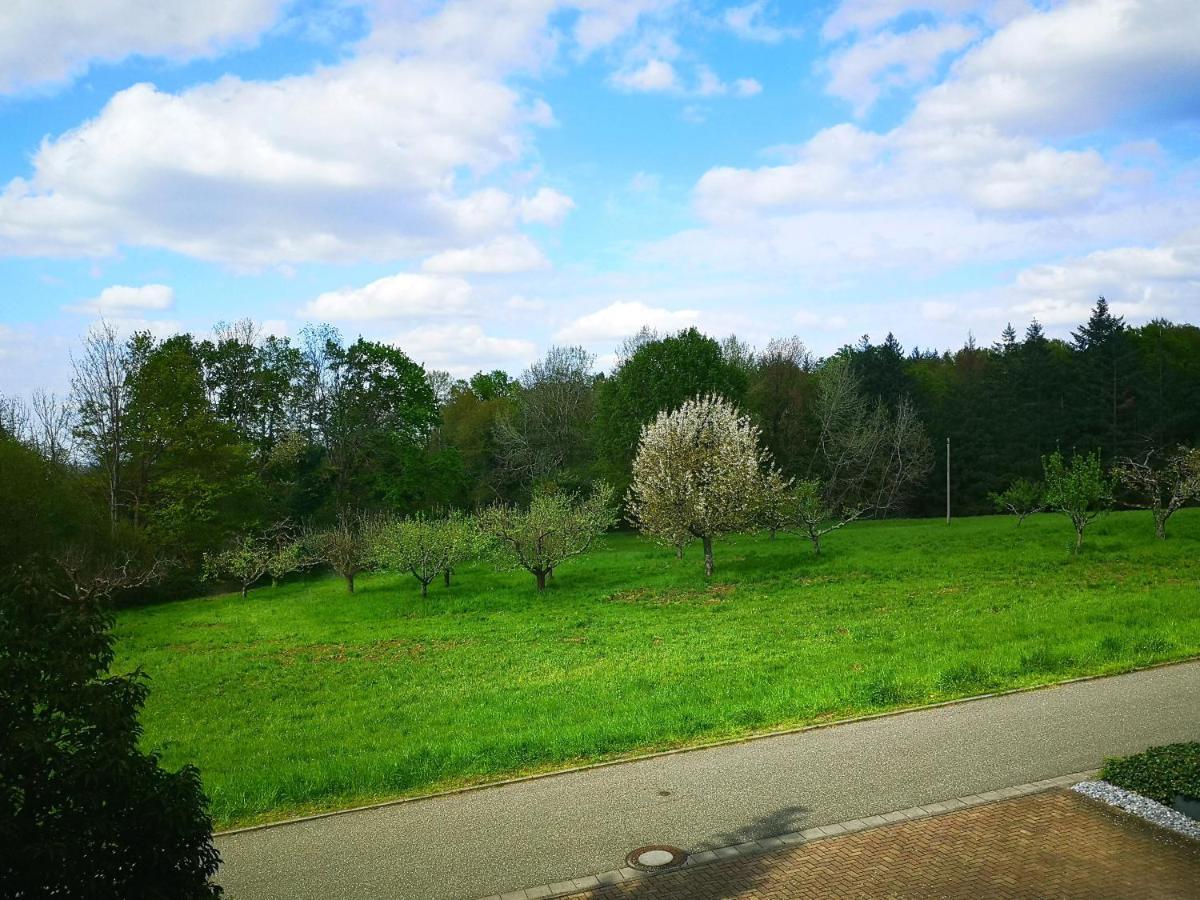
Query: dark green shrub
x=1160, y=773
x=83, y=812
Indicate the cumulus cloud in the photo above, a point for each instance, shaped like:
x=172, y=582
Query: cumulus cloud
x=865, y=69
x=654, y=75
x=400, y=296
x=623, y=318
x=503, y=255
x=1044, y=71
x=546, y=207
x=45, y=42
x=123, y=301
x=749, y=22
x=463, y=349
x=233, y=171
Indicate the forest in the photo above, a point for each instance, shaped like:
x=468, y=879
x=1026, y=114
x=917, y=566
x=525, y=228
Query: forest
x=166, y=450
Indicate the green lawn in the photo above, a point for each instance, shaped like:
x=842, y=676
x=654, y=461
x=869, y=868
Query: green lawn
x=302, y=697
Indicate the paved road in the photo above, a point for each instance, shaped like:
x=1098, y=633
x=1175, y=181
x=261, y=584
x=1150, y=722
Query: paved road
x=500, y=839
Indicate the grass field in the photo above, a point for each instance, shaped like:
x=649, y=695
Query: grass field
x=302, y=697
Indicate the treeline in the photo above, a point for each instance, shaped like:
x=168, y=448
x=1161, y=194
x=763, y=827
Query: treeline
x=170, y=449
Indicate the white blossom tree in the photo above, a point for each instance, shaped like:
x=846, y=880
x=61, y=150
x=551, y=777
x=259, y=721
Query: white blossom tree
x=699, y=470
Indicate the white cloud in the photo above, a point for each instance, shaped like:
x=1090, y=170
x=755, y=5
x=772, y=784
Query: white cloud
x=654, y=75
x=749, y=22
x=866, y=16
x=546, y=207
x=395, y=297
x=234, y=172
x=865, y=69
x=1140, y=282
x=503, y=255
x=123, y=301
x=49, y=41
x=464, y=349
x=1075, y=67
x=623, y=318
x=938, y=311
x=525, y=304
x=808, y=319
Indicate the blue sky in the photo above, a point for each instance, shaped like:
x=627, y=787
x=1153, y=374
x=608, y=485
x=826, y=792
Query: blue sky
x=478, y=179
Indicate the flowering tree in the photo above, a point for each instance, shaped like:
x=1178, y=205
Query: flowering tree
x=699, y=470
x=1166, y=488
x=348, y=547
x=555, y=528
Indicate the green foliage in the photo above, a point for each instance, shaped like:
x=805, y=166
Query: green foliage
x=301, y=701
x=1022, y=498
x=425, y=546
x=658, y=376
x=1159, y=773
x=348, y=546
x=555, y=527
x=1079, y=490
x=83, y=811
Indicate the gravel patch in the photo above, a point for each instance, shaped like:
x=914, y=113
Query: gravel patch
x=1150, y=810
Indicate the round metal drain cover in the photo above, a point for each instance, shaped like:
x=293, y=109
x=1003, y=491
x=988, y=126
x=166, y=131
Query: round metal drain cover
x=655, y=858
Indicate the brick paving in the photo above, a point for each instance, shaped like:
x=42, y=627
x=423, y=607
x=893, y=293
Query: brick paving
x=1054, y=844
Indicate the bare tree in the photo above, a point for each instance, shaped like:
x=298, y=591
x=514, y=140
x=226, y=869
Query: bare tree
x=1163, y=489
x=53, y=421
x=550, y=428
x=93, y=576
x=101, y=400
x=14, y=419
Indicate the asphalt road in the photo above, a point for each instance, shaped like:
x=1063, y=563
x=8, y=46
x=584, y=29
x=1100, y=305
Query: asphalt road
x=499, y=839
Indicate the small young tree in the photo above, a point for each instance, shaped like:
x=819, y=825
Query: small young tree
x=810, y=513
x=1080, y=490
x=244, y=561
x=699, y=469
x=1022, y=498
x=556, y=527
x=347, y=547
x=773, y=513
x=84, y=811
x=463, y=541
x=1165, y=489
x=424, y=546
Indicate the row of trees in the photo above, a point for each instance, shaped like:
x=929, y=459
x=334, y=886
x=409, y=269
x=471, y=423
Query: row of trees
x=552, y=529
x=169, y=449
x=1081, y=489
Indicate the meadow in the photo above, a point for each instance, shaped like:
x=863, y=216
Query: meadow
x=302, y=698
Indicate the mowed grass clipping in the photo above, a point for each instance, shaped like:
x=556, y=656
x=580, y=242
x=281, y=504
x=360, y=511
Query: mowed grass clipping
x=303, y=698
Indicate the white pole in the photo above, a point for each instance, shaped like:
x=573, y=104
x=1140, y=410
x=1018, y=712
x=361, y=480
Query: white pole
x=947, y=481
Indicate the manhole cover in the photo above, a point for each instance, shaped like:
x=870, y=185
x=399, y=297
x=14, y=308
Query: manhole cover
x=655, y=858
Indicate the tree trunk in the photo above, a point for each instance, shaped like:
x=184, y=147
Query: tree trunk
x=1160, y=526
x=772, y=534
x=708, y=557
x=816, y=542
x=350, y=584
x=424, y=588
x=245, y=588
x=541, y=579
x=679, y=551
x=446, y=575
x=1078, y=538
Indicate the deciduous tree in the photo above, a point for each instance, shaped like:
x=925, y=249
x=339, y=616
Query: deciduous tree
x=1163, y=489
x=698, y=469
x=1079, y=489
x=555, y=527
x=1022, y=498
